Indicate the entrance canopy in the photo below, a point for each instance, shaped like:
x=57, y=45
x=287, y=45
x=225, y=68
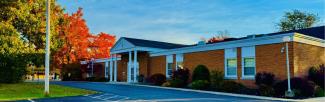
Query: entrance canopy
x=130, y=44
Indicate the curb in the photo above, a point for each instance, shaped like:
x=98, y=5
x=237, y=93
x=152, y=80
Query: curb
x=222, y=93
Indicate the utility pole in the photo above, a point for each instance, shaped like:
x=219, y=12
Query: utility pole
x=47, y=49
x=289, y=92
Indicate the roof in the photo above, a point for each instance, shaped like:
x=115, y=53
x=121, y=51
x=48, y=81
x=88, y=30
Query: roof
x=317, y=32
x=153, y=44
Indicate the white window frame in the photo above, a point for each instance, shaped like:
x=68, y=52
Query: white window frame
x=230, y=53
x=226, y=69
x=248, y=52
x=179, y=58
x=169, y=59
x=243, y=69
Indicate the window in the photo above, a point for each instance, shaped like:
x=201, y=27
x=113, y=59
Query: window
x=169, y=69
x=179, y=65
x=249, y=67
x=231, y=63
x=169, y=65
x=179, y=61
x=231, y=67
x=248, y=62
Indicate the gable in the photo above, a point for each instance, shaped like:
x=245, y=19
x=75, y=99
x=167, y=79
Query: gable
x=122, y=44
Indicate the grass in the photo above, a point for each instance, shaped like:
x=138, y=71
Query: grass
x=21, y=91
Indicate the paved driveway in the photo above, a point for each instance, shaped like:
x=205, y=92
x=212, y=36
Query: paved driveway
x=117, y=92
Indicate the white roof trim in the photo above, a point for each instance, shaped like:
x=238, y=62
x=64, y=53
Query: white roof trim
x=122, y=44
x=296, y=37
x=149, y=49
x=224, y=45
x=99, y=60
x=308, y=40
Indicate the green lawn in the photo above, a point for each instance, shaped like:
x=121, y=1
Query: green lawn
x=36, y=90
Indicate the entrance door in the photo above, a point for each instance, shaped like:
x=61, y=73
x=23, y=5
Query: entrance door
x=131, y=77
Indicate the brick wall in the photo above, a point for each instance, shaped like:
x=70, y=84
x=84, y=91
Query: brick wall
x=306, y=56
x=246, y=82
x=122, y=68
x=269, y=58
x=143, y=59
x=157, y=65
x=174, y=62
x=214, y=60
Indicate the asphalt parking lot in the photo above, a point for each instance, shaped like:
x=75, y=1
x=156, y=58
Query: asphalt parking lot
x=120, y=92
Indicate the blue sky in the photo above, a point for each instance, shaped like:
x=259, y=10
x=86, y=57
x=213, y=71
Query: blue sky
x=187, y=21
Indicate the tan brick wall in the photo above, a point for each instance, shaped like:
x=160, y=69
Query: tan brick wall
x=269, y=58
x=174, y=62
x=157, y=65
x=306, y=56
x=246, y=82
x=239, y=69
x=100, y=71
x=214, y=60
x=143, y=59
x=122, y=68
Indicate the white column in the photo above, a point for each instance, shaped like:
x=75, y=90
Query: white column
x=106, y=69
x=111, y=68
x=115, y=67
x=129, y=67
x=135, y=66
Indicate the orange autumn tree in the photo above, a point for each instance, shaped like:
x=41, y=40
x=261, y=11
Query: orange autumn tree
x=221, y=36
x=78, y=42
x=100, y=45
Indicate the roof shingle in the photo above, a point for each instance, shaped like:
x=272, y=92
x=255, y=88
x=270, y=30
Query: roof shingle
x=153, y=44
x=317, y=32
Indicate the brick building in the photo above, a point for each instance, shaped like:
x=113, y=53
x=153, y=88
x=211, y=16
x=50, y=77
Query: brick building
x=239, y=58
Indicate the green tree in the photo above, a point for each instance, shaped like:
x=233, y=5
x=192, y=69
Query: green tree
x=22, y=36
x=296, y=19
x=28, y=18
x=14, y=54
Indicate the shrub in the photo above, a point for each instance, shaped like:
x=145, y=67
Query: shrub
x=12, y=67
x=317, y=75
x=101, y=79
x=249, y=91
x=264, y=78
x=232, y=86
x=319, y=92
x=87, y=79
x=97, y=79
x=176, y=83
x=181, y=74
x=166, y=84
x=201, y=72
x=71, y=72
x=301, y=88
x=265, y=90
x=141, y=78
x=216, y=79
x=200, y=84
x=157, y=79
